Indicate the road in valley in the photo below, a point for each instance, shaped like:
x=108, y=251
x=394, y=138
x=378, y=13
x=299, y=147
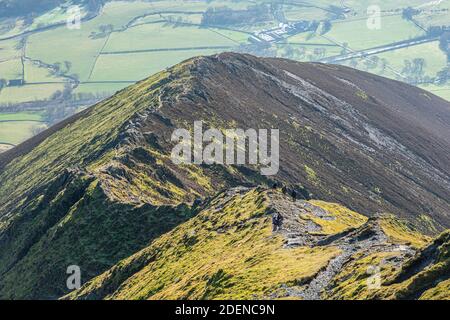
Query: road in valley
x=376, y=50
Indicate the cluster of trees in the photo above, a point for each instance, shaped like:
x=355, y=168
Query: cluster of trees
x=436, y=31
x=63, y=70
x=3, y=83
x=301, y=53
x=262, y=50
x=67, y=104
x=414, y=68
x=103, y=31
x=443, y=76
x=27, y=8
x=227, y=16
x=444, y=43
x=371, y=63
x=409, y=13
x=336, y=12
x=324, y=27
x=64, y=94
x=57, y=112
x=413, y=71
x=176, y=21
x=60, y=105
x=292, y=52
x=58, y=69
x=7, y=25
x=16, y=8
x=88, y=96
x=38, y=129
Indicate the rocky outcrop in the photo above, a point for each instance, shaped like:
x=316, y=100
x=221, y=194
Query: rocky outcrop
x=345, y=137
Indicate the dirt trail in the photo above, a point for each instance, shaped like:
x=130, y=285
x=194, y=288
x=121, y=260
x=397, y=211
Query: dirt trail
x=367, y=239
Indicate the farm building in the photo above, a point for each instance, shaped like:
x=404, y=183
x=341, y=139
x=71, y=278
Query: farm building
x=15, y=83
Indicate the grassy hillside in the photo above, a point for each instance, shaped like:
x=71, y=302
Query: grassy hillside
x=228, y=251
x=424, y=276
x=101, y=186
x=47, y=210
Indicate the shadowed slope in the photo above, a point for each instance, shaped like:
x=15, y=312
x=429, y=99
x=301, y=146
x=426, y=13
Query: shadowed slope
x=372, y=144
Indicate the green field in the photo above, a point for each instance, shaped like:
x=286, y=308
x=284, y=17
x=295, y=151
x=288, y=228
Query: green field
x=144, y=37
x=17, y=127
x=17, y=132
x=11, y=69
x=441, y=91
x=83, y=51
x=396, y=61
x=70, y=45
x=359, y=36
x=294, y=13
x=31, y=92
x=144, y=64
x=9, y=49
x=434, y=58
x=199, y=5
x=439, y=16
x=21, y=116
x=34, y=73
x=360, y=6
x=158, y=35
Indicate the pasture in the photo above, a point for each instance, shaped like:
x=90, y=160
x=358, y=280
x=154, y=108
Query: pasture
x=359, y=37
x=17, y=127
x=434, y=58
x=130, y=40
x=29, y=92
x=441, y=91
x=38, y=74
x=161, y=36
x=11, y=69
x=117, y=66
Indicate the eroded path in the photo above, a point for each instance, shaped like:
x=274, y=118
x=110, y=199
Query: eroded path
x=301, y=228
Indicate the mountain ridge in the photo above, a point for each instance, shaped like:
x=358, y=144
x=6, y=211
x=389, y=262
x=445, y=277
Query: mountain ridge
x=343, y=140
x=439, y=162
x=238, y=256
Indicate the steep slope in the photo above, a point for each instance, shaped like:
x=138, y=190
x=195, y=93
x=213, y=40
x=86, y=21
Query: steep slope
x=425, y=276
x=228, y=251
x=101, y=185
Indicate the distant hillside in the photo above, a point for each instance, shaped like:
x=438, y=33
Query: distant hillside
x=20, y=8
x=101, y=186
